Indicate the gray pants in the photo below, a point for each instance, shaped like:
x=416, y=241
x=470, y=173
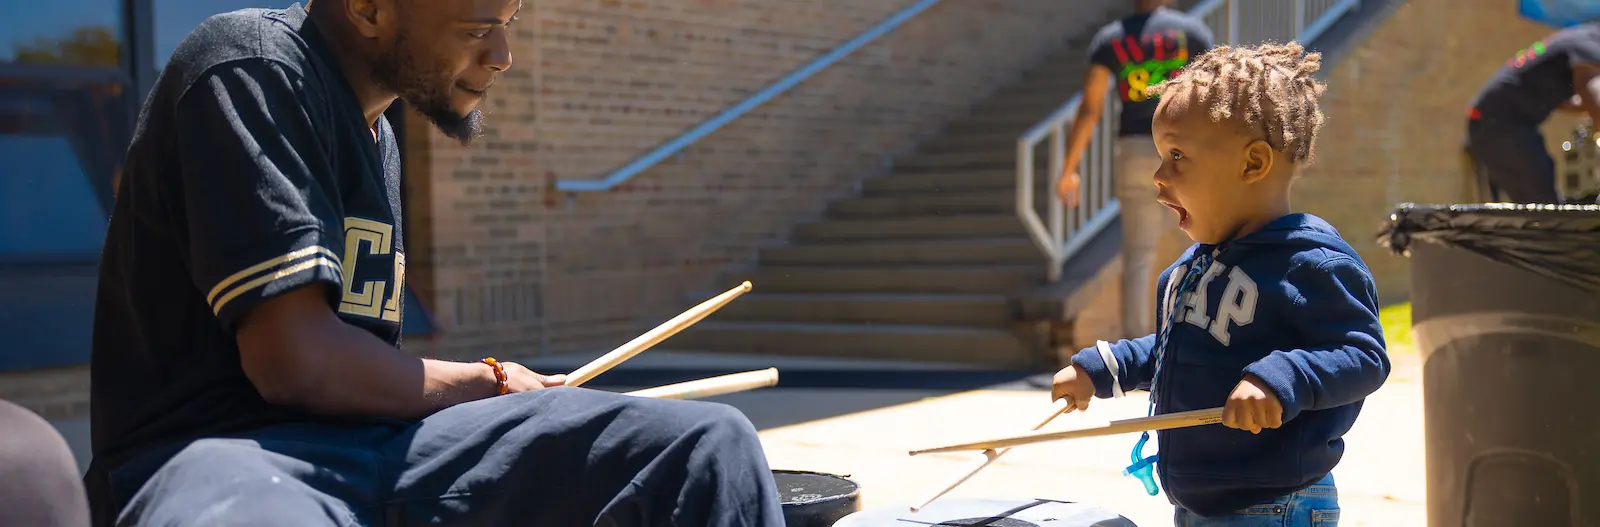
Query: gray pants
x=560, y=457
x=1143, y=223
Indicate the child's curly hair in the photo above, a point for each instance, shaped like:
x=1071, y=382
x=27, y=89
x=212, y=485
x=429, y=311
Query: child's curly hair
x=1270, y=87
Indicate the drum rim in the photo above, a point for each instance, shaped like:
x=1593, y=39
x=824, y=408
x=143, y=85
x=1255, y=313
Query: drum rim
x=855, y=487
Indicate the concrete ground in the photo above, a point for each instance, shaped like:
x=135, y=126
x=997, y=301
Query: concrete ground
x=860, y=419
x=1381, y=478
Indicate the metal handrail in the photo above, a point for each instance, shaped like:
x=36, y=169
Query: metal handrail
x=1060, y=241
x=677, y=144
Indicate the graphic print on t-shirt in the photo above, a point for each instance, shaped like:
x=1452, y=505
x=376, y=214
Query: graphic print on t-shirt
x=1526, y=55
x=1143, y=64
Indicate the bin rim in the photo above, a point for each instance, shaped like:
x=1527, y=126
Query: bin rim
x=1557, y=241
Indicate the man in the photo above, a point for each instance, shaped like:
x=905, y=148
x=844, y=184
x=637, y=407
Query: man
x=1143, y=49
x=246, y=368
x=1503, y=140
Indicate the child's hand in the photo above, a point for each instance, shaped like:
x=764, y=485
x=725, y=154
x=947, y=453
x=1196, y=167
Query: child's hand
x=1073, y=382
x=1251, y=406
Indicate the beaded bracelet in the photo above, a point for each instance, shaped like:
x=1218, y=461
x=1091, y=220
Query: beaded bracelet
x=499, y=374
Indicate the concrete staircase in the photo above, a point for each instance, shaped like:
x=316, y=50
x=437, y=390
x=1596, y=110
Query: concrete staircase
x=924, y=264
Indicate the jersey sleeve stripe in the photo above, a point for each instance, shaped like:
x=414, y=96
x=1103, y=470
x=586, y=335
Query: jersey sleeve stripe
x=261, y=281
x=276, y=261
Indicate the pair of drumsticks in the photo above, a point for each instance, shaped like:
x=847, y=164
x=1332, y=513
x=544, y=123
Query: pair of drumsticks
x=992, y=448
x=996, y=447
x=710, y=386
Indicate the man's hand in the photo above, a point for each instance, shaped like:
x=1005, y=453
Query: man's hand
x=1252, y=406
x=520, y=379
x=1073, y=382
x=1067, y=188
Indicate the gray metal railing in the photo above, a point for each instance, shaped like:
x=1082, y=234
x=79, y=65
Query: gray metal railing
x=677, y=144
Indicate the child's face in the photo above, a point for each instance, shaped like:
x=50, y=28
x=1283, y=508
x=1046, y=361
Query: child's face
x=1206, y=171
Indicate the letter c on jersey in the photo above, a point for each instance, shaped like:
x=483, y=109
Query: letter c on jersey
x=371, y=298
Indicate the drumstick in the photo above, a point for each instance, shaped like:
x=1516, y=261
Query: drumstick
x=710, y=386
x=1142, y=424
x=654, y=336
x=1062, y=406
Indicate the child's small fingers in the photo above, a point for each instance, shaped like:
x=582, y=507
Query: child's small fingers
x=1273, y=418
x=1247, y=421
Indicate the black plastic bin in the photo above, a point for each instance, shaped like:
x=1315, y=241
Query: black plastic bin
x=1506, y=312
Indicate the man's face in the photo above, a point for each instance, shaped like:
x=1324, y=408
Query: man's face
x=444, y=55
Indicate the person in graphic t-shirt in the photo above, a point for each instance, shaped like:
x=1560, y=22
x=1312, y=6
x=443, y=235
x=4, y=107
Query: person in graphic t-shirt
x=1503, y=140
x=1127, y=56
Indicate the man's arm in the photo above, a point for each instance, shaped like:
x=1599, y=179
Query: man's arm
x=1344, y=359
x=1095, y=84
x=1586, y=88
x=265, y=225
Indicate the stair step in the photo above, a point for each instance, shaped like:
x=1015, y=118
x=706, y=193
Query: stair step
x=1013, y=125
x=1015, y=250
x=962, y=279
x=861, y=341
x=997, y=201
x=942, y=182
x=867, y=308
x=964, y=160
x=932, y=226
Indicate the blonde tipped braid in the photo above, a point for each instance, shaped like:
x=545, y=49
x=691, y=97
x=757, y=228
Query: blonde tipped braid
x=1269, y=87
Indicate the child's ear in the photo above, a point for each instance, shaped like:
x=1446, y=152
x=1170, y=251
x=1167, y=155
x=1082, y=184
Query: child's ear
x=1258, y=158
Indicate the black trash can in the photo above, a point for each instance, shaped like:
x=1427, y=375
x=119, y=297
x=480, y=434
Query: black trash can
x=1506, y=312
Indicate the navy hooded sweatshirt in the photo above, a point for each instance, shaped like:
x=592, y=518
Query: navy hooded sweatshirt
x=1291, y=303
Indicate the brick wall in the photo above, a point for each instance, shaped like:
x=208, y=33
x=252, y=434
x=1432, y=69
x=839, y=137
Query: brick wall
x=1396, y=109
x=509, y=267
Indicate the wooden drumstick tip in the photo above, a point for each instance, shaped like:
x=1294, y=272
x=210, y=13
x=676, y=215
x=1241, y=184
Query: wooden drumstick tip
x=654, y=336
x=713, y=386
x=1143, y=424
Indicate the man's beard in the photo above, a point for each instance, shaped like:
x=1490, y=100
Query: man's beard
x=398, y=72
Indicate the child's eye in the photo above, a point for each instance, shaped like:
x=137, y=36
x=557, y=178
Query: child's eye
x=481, y=33
x=1176, y=155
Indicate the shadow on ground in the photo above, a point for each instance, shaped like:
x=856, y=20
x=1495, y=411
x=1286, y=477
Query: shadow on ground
x=808, y=389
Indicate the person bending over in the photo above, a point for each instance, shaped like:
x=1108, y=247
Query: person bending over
x=1503, y=141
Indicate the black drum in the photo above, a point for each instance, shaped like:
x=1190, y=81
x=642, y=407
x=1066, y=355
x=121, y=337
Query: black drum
x=814, y=499
x=989, y=513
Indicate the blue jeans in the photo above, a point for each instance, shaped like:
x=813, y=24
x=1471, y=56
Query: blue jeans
x=1314, y=506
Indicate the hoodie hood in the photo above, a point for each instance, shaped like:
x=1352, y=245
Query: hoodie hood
x=1300, y=231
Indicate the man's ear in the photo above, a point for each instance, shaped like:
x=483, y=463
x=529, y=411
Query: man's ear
x=371, y=18
x=1258, y=159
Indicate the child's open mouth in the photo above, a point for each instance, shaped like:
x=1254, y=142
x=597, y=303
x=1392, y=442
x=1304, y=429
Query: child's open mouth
x=1183, y=214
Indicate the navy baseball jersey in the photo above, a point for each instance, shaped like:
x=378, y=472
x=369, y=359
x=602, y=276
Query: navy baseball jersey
x=252, y=172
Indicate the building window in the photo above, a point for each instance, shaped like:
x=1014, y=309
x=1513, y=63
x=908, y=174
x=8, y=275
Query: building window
x=64, y=125
x=63, y=32
x=65, y=120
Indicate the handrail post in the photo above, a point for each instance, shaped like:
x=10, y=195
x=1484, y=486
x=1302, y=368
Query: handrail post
x=1299, y=18
x=1233, y=22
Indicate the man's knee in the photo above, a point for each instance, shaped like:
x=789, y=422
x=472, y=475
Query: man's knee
x=710, y=419
x=227, y=481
